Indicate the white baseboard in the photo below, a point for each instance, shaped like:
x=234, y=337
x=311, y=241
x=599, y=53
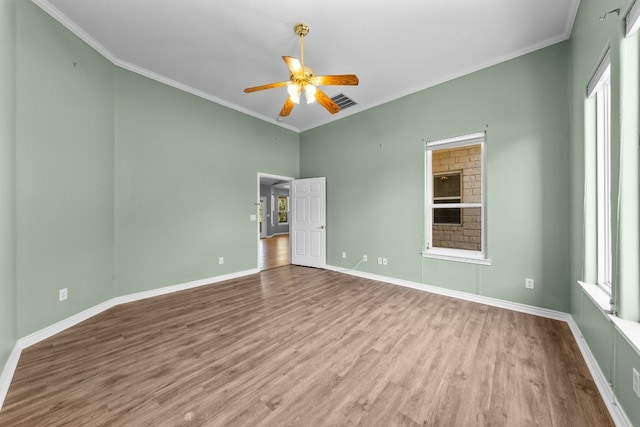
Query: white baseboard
x=34, y=338
x=63, y=324
x=606, y=392
x=615, y=409
x=278, y=234
x=514, y=306
x=182, y=287
x=7, y=372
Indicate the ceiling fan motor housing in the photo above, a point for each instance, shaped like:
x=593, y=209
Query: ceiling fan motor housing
x=301, y=29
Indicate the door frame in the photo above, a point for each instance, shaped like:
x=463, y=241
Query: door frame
x=272, y=176
x=262, y=219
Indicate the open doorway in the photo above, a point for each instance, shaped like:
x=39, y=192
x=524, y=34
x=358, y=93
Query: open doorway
x=273, y=221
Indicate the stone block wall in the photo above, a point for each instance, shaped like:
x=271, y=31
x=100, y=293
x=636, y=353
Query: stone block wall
x=468, y=161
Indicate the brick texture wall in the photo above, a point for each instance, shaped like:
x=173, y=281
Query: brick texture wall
x=468, y=161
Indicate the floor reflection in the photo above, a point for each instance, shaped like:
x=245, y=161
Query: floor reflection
x=274, y=252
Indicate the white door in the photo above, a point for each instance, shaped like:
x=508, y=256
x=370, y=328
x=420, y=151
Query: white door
x=308, y=232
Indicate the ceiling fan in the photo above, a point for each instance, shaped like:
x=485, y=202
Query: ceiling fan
x=303, y=80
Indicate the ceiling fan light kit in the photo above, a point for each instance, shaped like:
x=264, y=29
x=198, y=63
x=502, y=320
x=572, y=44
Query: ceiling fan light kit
x=303, y=80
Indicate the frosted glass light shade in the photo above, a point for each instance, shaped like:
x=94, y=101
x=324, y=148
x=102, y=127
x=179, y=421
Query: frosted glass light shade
x=310, y=93
x=294, y=93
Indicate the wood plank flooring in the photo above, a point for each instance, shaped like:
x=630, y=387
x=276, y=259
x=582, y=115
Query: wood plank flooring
x=300, y=346
x=274, y=252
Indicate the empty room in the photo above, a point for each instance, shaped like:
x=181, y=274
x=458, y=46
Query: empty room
x=342, y=213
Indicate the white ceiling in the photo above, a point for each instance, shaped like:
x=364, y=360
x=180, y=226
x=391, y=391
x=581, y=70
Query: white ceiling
x=216, y=48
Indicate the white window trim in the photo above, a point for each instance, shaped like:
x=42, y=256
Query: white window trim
x=459, y=255
x=603, y=173
x=598, y=296
x=273, y=203
x=633, y=20
x=600, y=88
x=629, y=329
x=600, y=74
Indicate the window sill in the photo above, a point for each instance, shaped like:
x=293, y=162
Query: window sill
x=457, y=255
x=629, y=329
x=598, y=296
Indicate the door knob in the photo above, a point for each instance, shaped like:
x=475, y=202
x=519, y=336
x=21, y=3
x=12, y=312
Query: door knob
x=322, y=227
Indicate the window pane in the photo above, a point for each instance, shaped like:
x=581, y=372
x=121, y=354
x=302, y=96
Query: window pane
x=446, y=185
x=465, y=161
x=466, y=236
x=603, y=175
x=282, y=217
x=282, y=203
x=447, y=215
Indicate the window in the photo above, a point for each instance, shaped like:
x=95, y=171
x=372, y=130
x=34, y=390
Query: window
x=283, y=209
x=600, y=88
x=455, y=206
x=447, y=188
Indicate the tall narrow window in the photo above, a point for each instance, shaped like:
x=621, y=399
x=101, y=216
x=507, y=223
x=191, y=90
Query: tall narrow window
x=600, y=88
x=283, y=209
x=454, y=214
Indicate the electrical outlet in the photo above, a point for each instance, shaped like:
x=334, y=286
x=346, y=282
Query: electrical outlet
x=636, y=382
x=344, y=255
x=364, y=258
x=528, y=283
x=380, y=260
x=62, y=294
x=221, y=260
x=384, y=261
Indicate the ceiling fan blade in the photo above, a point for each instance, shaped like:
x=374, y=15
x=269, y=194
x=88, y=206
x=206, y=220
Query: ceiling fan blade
x=339, y=80
x=287, y=107
x=294, y=65
x=263, y=87
x=326, y=102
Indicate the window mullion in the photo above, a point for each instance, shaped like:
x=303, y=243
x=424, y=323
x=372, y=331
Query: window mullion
x=455, y=205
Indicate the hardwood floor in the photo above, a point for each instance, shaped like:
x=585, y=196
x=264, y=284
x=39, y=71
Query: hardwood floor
x=274, y=252
x=301, y=346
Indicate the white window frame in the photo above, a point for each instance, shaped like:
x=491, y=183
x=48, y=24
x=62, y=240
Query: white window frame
x=603, y=173
x=278, y=211
x=461, y=255
x=600, y=88
x=633, y=20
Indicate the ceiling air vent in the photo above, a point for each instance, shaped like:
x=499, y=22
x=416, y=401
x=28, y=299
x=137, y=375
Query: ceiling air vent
x=343, y=101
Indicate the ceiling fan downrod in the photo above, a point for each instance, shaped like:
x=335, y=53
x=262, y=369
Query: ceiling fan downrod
x=301, y=30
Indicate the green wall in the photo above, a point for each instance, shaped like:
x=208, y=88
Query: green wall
x=7, y=179
x=589, y=41
x=374, y=164
x=123, y=184
x=186, y=184
x=64, y=172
